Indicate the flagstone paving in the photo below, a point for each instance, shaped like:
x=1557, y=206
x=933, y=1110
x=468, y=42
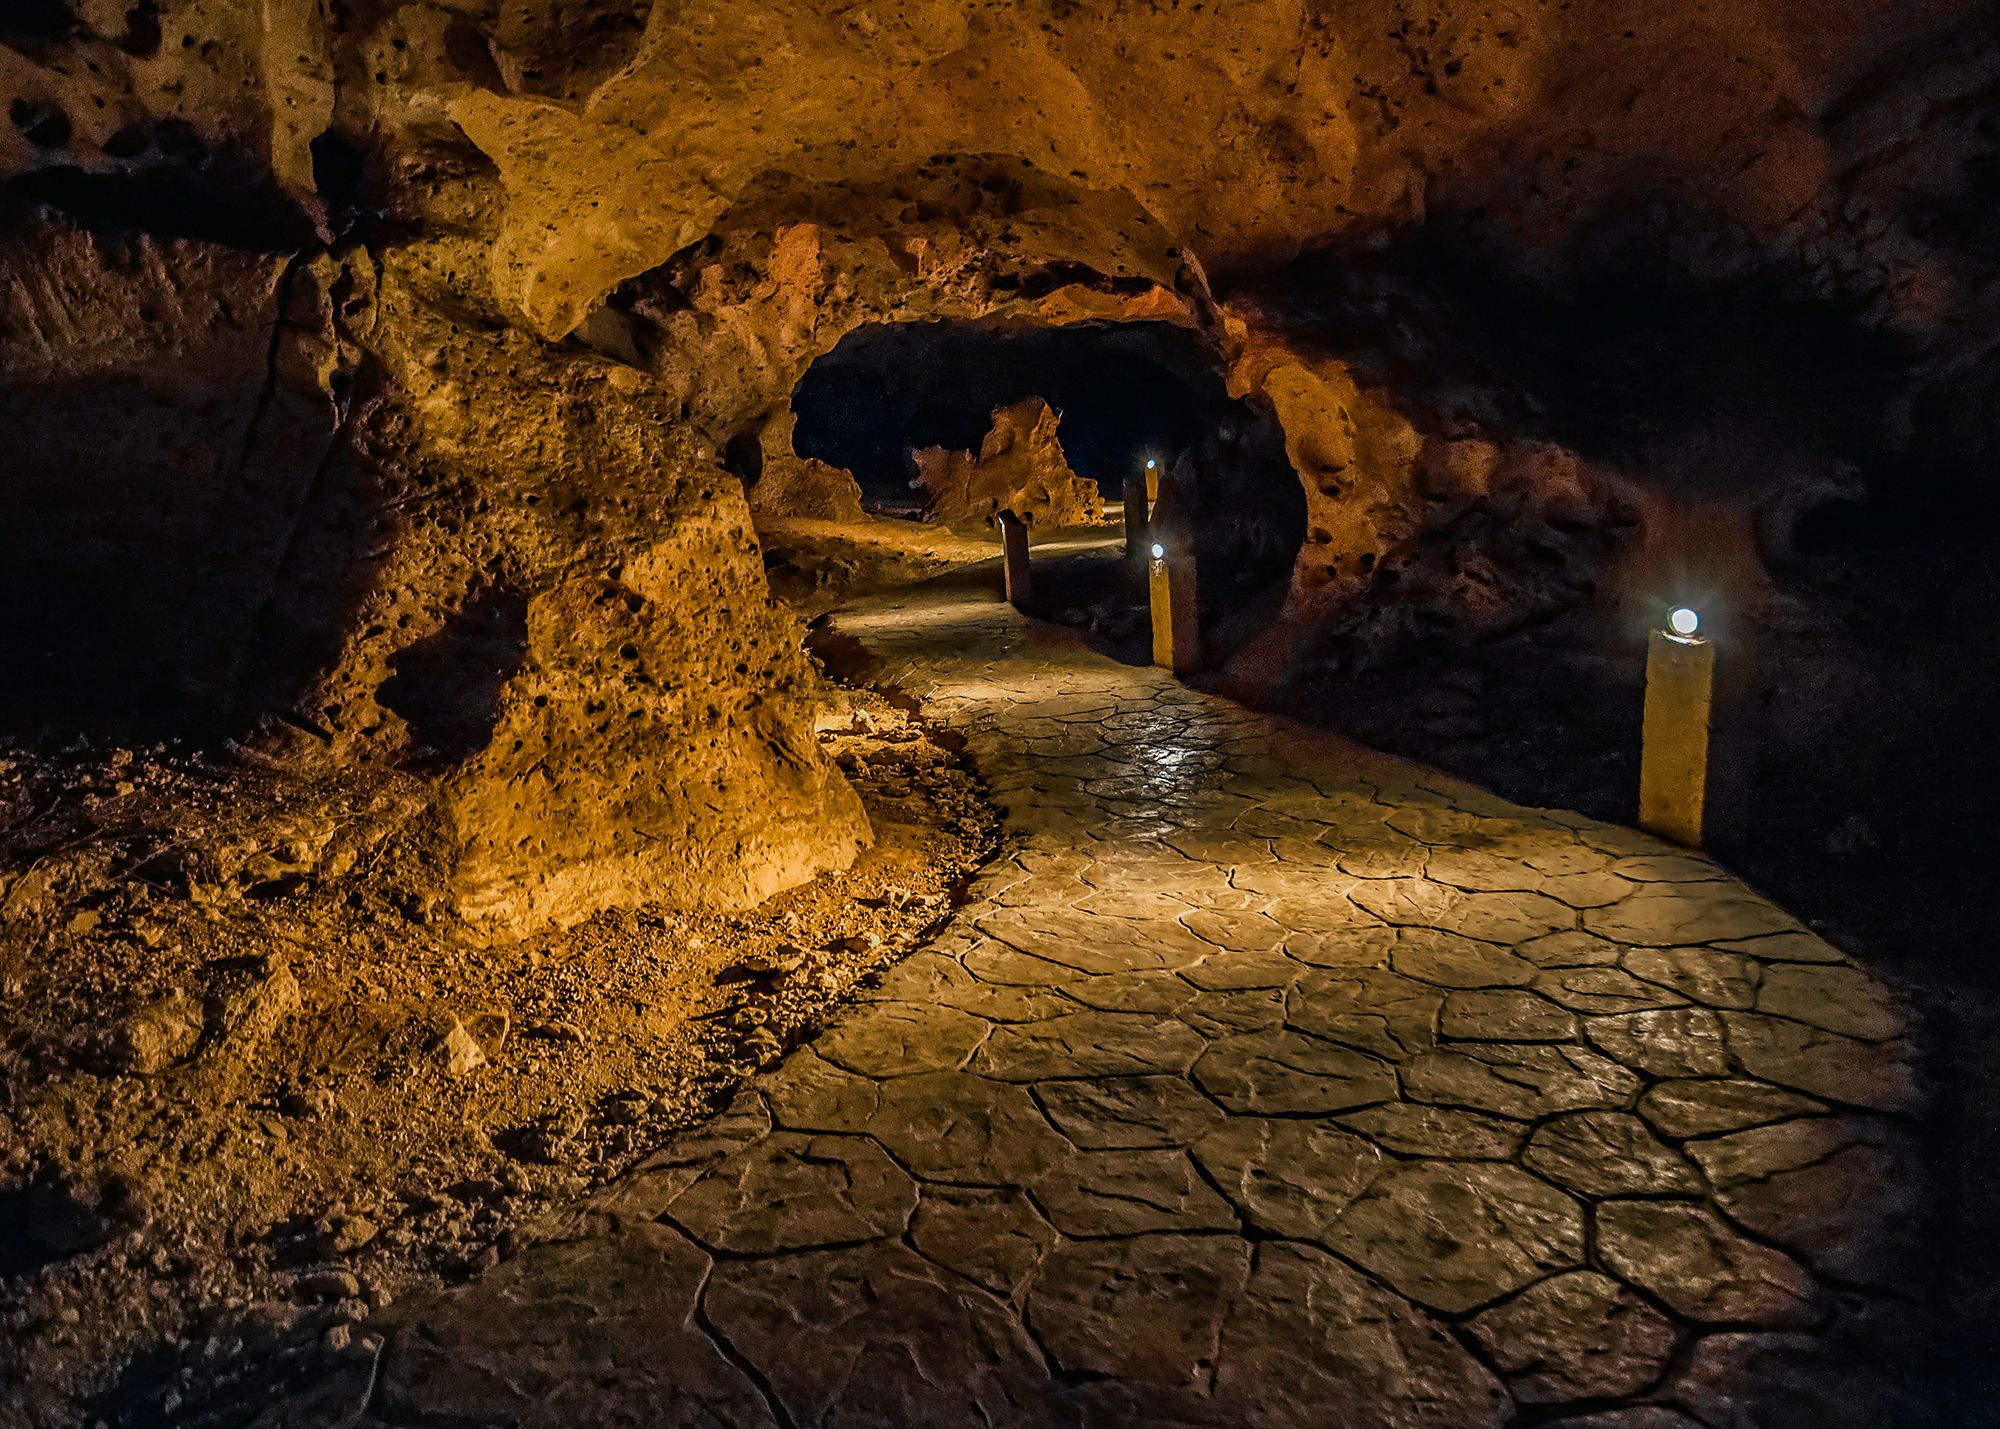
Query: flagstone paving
x=1264, y=1081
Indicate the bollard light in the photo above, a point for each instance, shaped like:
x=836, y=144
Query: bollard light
x=1152, y=478
x=1018, y=578
x=1170, y=587
x=1673, y=755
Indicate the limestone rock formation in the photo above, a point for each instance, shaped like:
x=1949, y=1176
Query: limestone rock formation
x=787, y=484
x=1020, y=468
x=378, y=366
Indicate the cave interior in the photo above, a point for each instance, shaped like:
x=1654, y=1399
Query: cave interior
x=540, y=876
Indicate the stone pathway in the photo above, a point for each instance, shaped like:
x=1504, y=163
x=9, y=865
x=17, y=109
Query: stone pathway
x=1266, y=1081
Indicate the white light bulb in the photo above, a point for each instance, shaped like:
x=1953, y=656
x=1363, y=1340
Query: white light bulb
x=1683, y=622
x=1159, y=552
x=1151, y=464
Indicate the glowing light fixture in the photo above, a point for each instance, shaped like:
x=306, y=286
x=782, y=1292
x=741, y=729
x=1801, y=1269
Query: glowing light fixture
x=1159, y=552
x=1152, y=463
x=1683, y=622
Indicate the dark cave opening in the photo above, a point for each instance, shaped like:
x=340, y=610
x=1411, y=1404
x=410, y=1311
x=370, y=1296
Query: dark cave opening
x=1125, y=392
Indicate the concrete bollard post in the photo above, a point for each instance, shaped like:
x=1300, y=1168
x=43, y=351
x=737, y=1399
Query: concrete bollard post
x=1176, y=629
x=1673, y=760
x=1014, y=542
x=1137, y=522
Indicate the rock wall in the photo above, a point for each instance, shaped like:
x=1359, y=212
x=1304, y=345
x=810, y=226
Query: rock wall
x=381, y=365
x=307, y=493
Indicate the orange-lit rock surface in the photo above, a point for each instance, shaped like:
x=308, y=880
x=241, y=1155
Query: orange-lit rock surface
x=391, y=351
x=1020, y=468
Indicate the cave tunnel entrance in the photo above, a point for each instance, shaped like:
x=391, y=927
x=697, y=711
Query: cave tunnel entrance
x=1124, y=392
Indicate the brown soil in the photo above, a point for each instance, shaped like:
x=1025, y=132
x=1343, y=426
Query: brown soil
x=250, y=1092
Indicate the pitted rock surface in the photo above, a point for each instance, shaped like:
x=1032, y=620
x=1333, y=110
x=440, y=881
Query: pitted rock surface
x=1264, y=1080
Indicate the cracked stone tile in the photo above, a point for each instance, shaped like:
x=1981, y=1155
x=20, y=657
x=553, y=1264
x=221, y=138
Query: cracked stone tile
x=1708, y=1107
x=1293, y=884
x=1090, y=1194
x=572, y=1333
x=878, y=1335
x=1289, y=1177
x=1666, y=1042
x=1559, y=860
x=1476, y=871
x=1608, y=1153
x=1602, y=990
x=991, y=1235
x=1454, y=1235
x=993, y=1002
x=1416, y=1130
x=1094, y=943
x=1447, y=960
x=1287, y=1072
x=650, y=1186
x=1573, y=949
x=1146, y=1308
x=1132, y=903
x=1843, y=1191
x=1036, y=890
x=1312, y=1344
x=1505, y=1015
x=1668, y=868
x=1667, y=915
x=1006, y=967
x=1794, y=947
x=1377, y=857
x=1504, y=918
x=1362, y=945
x=1837, y=999
x=793, y=1190
x=1088, y=1044
x=1156, y=991
x=1586, y=890
x=809, y=1093
x=1718, y=979
x=896, y=1039
x=953, y=1126
x=1221, y=1014
x=1128, y=1112
x=1234, y=931
x=1734, y=1379
x=1822, y=1064
x=1239, y=971
x=1700, y=1267
x=1523, y=1081
x=1576, y=1336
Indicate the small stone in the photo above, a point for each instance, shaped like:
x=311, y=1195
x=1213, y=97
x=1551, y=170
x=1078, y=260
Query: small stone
x=458, y=1051
x=346, y=1234
x=158, y=1035
x=327, y=1283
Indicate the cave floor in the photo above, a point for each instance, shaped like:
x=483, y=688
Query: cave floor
x=1262, y=1080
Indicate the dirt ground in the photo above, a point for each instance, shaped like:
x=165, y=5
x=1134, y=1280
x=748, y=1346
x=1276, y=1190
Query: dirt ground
x=253, y=1086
